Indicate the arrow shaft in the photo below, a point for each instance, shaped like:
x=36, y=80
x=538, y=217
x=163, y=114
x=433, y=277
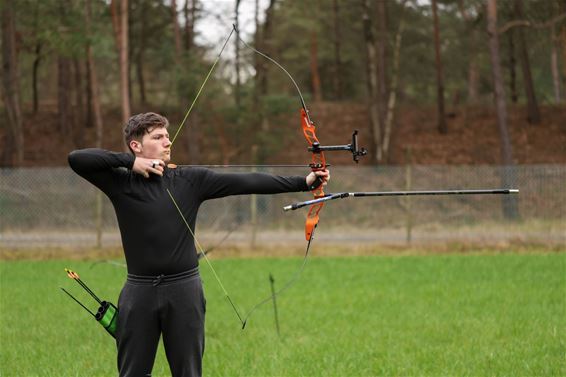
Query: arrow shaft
x=77, y=301
x=249, y=166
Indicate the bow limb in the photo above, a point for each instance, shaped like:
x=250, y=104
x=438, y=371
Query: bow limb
x=318, y=161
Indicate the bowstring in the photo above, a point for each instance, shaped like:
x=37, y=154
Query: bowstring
x=286, y=286
x=272, y=296
x=297, y=274
x=201, y=250
x=278, y=65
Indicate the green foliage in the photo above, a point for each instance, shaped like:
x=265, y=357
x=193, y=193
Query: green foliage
x=51, y=29
x=279, y=104
x=58, y=26
x=417, y=75
x=189, y=78
x=477, y=314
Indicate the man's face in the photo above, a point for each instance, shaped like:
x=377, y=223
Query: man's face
x=155, y=144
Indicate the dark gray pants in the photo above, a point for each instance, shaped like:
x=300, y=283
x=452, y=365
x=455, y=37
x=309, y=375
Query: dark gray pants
x=172, y=305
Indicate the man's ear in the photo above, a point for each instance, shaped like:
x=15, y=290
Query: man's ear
x=136, y=146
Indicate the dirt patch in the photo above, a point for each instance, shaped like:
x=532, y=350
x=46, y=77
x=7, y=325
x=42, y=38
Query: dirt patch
x=93, y=254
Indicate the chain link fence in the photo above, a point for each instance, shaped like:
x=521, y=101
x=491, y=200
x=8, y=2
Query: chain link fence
x=53, y=207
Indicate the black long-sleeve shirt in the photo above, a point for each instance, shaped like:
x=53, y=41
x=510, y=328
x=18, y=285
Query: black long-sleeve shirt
x=155, y=238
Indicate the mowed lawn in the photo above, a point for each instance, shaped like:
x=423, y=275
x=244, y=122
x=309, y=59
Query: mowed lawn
x=475, y=314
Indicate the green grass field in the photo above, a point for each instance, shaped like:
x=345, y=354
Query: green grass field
x=477, y=314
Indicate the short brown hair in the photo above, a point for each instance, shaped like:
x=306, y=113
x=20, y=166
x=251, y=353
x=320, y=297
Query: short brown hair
x=141, y=124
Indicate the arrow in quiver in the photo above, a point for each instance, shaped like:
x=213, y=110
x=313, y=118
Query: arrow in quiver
x=107, y=313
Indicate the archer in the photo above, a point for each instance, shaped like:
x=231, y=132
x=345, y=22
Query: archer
x=163, y=292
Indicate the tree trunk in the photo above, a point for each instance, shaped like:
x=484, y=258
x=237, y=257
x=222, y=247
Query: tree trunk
x=265, y=45
x=89, y=122
x=115, y=17
x=442, y=127
x=140, y=54
x=139, y=75
x=473, y=38
x=64, y=105
x=337, y=79
x=512, y=68
x=563, y=43
x=510, y=209
x=176, y=33
x=36, y=58
x=130, y=52
x=79, y=95
x=64, y=76
x=238, y=88
x=390, y=111
x=121, y=33
x=36, y=61
x=192, y=135
x=257, y=38
x=78, y=113
x=189, y=23
x=194, y=9
x=554, y=65
x=315, y=76
x=533, y=116
x=93, y=81
x=381, y=46
x=371, y=71
x=13, y=152
x=473, y=78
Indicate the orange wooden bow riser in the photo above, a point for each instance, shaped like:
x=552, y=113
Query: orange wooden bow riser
x=318, y=163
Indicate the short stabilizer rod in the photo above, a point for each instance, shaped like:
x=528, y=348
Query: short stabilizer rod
x=354, y=148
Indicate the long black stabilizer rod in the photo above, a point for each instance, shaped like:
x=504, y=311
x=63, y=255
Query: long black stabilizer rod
x=342, y=195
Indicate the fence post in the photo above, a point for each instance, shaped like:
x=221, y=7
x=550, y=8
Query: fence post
x=98, y=218
x=407, y=200
x=253, y=204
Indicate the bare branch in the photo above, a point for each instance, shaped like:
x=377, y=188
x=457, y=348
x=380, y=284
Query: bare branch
x=524, y=23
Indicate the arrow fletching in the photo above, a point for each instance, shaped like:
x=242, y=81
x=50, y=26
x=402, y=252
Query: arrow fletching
x=72, y=274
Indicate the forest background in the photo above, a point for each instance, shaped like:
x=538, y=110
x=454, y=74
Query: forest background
x=436, y=82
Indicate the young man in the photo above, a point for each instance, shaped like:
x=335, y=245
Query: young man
x=163, y=292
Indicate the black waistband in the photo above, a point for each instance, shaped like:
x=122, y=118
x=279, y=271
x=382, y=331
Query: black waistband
x=162, y=279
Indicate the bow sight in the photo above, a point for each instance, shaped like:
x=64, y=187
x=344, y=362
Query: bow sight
x=353, y=147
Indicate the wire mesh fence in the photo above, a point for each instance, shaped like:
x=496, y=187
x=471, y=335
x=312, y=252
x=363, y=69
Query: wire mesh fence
x=53, y=207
